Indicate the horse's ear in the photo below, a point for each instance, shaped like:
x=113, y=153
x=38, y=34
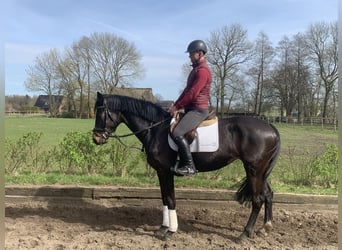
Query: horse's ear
x=99, y=98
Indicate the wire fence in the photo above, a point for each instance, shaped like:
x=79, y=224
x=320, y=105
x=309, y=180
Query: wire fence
x=324, y=123
x=25, y=113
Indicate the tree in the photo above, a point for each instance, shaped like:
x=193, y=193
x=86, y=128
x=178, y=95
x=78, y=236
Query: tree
x=284, y=77
x=84, y=48
x=228, y=48
x=96, y=63
x=77, y=66
x=42, y=77
x=67, y=84
x=262, y=58
x=321, y=40
x=302, y=77
x=115, y=61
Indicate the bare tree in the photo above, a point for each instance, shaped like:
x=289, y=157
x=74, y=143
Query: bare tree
x=84, y=49
x=285, y=76
x=68, y=84
x=228, y=48
x=115, y=61
x=42, y=77
x=302, y=77
x=78, y=68
x=321, y=40
x=263, y=54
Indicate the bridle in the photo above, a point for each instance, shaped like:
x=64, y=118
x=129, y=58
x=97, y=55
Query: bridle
x=107, y=133
x=104, y=131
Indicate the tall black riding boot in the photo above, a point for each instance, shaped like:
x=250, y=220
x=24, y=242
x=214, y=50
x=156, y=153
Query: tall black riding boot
x=186, y=165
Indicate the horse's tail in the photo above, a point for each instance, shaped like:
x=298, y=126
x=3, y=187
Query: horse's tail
x=245, y=192
x=275, y=153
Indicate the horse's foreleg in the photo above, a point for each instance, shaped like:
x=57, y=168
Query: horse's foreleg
x=170, y=221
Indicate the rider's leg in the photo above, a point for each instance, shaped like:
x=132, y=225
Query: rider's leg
x=186, y=164
x=190, y=121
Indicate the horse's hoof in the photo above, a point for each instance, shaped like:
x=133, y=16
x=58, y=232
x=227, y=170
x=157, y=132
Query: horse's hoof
x=268, y=226
x=244, y=237
x=241, y=238
x=168, y=235
x=161, y=232
x=262, y=232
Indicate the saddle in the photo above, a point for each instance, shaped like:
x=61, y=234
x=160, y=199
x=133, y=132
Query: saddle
x=191, y=135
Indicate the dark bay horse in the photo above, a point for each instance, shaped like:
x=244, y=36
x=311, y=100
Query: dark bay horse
x=254, y=142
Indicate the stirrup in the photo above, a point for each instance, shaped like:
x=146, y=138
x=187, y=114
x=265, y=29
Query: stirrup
x=180, y=171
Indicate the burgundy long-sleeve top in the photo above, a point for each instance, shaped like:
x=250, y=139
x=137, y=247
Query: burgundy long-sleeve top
x=197, y=91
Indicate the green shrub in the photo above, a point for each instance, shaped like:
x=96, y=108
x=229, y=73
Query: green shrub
x=306, y=170
x=325, y=167
x=118, y=158
x=78, y=154
x=299, y=170
x=23, y=154
x=15, y=157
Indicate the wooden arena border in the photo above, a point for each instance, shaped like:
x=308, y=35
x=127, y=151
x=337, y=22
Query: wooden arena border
x=13, y=192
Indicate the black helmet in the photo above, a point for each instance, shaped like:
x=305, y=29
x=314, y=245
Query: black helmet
x=196, y=45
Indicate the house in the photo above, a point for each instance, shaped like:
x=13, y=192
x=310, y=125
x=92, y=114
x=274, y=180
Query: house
x=42, y=102
x=164, y=104
x=141, y=93
x=138, y=93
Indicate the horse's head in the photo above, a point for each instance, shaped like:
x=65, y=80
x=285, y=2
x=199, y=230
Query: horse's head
x=105, y=121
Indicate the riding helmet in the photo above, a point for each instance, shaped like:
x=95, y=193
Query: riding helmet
x=197, y=45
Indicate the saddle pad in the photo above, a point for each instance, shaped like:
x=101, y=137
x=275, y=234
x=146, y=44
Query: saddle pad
x=207, y=139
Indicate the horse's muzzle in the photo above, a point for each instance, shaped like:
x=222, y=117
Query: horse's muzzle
x=100, y=138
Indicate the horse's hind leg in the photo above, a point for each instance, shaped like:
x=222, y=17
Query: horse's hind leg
x=268, y=211
x=248, y=231
x=251, y=190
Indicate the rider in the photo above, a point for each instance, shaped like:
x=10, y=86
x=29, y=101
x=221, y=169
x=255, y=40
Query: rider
x=195, y=102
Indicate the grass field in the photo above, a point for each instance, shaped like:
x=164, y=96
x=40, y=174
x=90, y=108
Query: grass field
x=299, y=139
x=298, y=142
x=53, y=130
x=305, y=138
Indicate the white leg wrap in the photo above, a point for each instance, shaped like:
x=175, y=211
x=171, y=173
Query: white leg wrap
x=173, y=220
x=166, y=218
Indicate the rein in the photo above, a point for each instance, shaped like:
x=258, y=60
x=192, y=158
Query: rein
x=108, y=133
x=140, y=131
x=142, y=149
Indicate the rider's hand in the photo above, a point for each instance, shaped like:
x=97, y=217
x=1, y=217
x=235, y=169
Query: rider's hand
x=173, y=111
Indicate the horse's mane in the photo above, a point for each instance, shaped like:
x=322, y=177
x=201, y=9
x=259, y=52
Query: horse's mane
x=142, y=108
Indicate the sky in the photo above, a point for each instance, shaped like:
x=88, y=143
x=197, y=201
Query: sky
x=160, y=30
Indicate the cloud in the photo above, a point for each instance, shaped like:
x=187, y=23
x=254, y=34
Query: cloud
x=116, y=29
x=161, y=30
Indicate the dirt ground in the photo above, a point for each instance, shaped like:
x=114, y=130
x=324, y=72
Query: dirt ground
x=105, y=224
